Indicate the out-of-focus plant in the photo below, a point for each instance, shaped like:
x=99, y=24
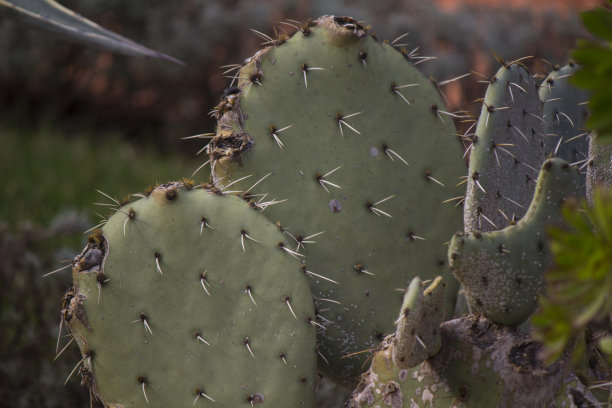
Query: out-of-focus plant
x=595, y=58
x=50, y=16
x=580, y=282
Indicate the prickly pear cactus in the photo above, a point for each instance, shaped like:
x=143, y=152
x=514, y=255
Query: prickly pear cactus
x=187, y=297
x=417, y=336
x=502, y=271
x=507, y=151
x=480, y=364
x=358, y=143
x=565, y=113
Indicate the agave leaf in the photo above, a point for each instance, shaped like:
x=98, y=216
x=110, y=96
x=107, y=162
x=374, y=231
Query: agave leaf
x=51, y=16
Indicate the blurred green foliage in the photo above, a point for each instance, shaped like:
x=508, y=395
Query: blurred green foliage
x=595, y=75
x=50, y=172
x=49, y=186
x=580, y=282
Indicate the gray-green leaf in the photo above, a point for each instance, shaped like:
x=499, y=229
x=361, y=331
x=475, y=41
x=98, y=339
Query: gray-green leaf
x=51, y=16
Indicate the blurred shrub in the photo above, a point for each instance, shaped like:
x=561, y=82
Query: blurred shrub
x=45, y=77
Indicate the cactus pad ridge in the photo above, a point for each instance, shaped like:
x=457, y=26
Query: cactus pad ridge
x=169, y=310
x=506, y=152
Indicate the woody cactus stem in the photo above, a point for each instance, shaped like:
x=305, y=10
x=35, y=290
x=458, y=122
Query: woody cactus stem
x=186, y=298
x=357, y=141
x=480, y=364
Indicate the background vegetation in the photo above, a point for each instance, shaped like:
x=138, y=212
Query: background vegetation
x=74, y=120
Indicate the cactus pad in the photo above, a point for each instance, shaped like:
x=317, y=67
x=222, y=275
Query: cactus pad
x=502, y=271
x=187, y=297
x=357, y=142
x=417, y=336
x=507, y=151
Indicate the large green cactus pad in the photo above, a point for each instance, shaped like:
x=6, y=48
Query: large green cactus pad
x=189, y=297
x=357, y=141
x=502, y=271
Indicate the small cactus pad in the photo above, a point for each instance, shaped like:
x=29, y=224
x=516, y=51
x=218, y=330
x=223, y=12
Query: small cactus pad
x=502, y=271
x=356, y=140
x=187, y=297
x=565, y=114
x=480, y=364
x=506, y=153
x=417, y=336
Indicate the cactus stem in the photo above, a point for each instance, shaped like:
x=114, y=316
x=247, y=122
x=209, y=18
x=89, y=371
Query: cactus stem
x=310, y=273
x=249, y=290
x=286, y=300
x=245, y=341
x=200, y=393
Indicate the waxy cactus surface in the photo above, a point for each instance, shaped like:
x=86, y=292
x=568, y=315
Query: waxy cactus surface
x=502, y=271
x=357, y=141
x=187, y=298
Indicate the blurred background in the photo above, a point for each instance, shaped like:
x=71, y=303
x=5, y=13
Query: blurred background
x=74, y=120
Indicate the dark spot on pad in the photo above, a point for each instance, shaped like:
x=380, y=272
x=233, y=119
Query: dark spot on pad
x=335, y=206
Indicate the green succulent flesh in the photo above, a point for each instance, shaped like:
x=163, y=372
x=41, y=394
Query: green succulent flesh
x=357, y=141
x=507, y=151
x=502, y=271
x=194, y=302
